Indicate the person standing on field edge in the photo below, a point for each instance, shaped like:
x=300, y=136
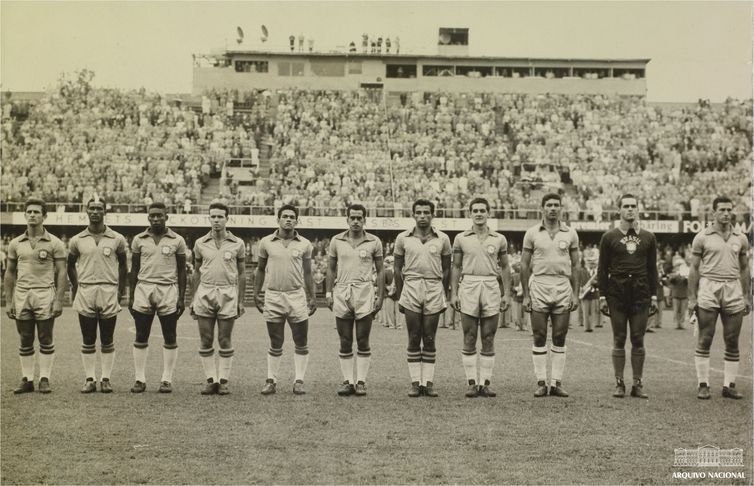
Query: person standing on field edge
x=353, y=256
x=35, y=285
x=627, y=280
x=719, y=285
x=422, y=270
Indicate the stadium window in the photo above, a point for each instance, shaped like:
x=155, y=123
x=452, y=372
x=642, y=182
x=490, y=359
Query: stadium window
x=628, y=73
x=453, y=36
x=297, y=69
x=551, y=72
x=284, y=69
x=252, y=66
x=400, y=71
x=474, y=71
x=354, y=67
x=520, y=72
x=438, y=70
x=322, y=67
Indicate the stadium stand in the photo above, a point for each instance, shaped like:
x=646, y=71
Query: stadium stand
x=322, y=150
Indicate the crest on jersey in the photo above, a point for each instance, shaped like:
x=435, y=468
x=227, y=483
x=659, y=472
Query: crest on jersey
x=631, y=243
x=227, y=255
x=42, y=255
x=167, y=250
x=295, y=253
x=432, y=249
x=563, y=245
x=362, y=253
x=491, y=249
x=107, y=251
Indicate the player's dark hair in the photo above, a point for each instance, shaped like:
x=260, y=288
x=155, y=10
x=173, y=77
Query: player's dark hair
x=479, y=200
x=98, y=200
x=549, y=196
x=158, y=205
x=219, y=205
x=34, y=201
x=626, y=196
x=720, y=199
x=423, y=202
x=288, y=207
x=356, y=207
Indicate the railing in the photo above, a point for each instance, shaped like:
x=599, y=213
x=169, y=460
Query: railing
x=385, y=212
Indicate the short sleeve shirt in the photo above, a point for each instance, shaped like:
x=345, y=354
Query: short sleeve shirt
x=36, y=266
x=97, y=262
x=480, y=255
x=355, y=263
x=285, y=264
x=219, y=265
x=551, y=255
x=158, y=260
x=422, y=260
x=720, y=258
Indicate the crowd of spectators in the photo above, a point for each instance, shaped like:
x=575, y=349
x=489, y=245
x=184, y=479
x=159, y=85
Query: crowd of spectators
x=327, y=149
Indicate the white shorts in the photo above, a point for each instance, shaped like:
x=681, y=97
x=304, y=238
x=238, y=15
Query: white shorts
x=353, y=301
x=98, y=300
x=725, y=296
x=291, y=305
x=552, y=297
x=480, y=296
x=33, y=304
x=423, y=296
x=150, y=298
x=219, y=302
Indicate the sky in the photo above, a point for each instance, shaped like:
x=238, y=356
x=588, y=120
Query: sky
x=697, y=49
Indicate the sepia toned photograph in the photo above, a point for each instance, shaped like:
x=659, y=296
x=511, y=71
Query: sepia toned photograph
x=376, y=242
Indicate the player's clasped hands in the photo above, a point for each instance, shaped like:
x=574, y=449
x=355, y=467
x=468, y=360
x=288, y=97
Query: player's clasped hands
x=455, y=302
x=240, y=310
x=574, y=303
x=329, y=300
x=57, y=308
x=604, y=309
x=312, y=305
x=505, y=304
x=526, y=304
x=259, y=303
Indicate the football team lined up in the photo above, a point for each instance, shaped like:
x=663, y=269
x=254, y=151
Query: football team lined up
x=473, y=272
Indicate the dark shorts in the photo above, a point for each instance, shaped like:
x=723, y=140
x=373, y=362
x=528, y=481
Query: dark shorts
x=628, y=294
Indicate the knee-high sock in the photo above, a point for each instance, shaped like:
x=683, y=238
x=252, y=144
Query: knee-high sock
x=469, y=360
x=428, y=367
x=619, y=362
x=140, y=351
x=637, y=362
x=274, y=356
x=208, y=363
x=46, y=358
x=363, y=359
x=300, y=361
x=108, y=359
x=486, y=365
x=558, y=358
x=539, y=357
x=26, y=355
x=414, y=359
x=169, y=358
x=346, y=366
x=730, y=368
x=701, y=360
x=224, y=363
x=89, y=360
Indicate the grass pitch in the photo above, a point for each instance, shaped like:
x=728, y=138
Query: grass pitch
x=383, y=438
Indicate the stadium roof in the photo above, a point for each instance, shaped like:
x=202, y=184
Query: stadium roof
x=363, y=55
